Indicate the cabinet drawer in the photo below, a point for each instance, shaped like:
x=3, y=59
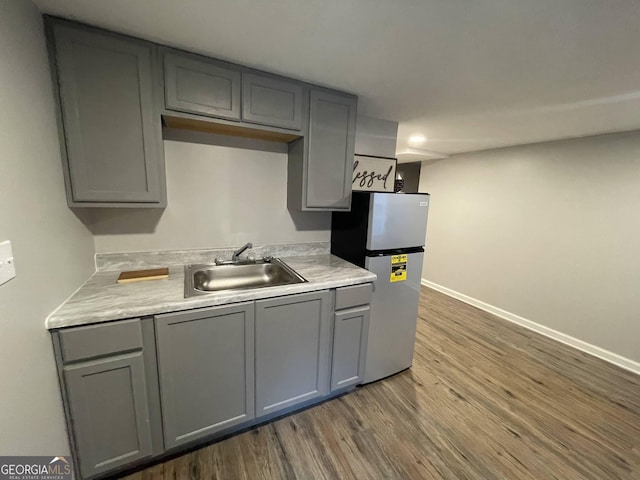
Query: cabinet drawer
x=99, y=340
x=347, y=297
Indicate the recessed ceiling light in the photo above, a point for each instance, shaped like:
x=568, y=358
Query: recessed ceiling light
x=417, y=139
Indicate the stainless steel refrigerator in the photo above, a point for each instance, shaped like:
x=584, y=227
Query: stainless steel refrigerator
x=385, y=233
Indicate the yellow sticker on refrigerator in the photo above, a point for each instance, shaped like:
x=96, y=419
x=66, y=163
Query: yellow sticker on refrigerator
x=398, y=268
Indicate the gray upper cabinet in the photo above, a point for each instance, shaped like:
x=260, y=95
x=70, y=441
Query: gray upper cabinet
x=111, y=137
x=206, y=371
x=108, y=404
x=113, y=91
x=321, y=170
x=201, y=86
x=270, y=101
x=350, y=329
x=332, y=128
x=292, y=350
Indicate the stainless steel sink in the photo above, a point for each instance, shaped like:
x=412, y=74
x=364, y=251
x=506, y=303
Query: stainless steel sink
x=204, y=279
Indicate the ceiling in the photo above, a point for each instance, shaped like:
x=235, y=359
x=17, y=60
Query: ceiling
x=467, y=74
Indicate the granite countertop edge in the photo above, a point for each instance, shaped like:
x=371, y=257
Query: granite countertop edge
x=101, y=299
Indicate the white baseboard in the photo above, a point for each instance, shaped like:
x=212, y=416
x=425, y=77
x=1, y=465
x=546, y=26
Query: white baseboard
x=601, y=353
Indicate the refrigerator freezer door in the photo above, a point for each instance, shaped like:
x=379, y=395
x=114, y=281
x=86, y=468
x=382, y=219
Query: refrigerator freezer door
x=394, y=314
x=397, y=221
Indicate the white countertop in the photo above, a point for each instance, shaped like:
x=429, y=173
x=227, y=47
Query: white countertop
x=101, y=299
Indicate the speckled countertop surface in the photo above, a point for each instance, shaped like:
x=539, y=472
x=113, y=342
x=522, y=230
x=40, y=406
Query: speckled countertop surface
x=101, y=299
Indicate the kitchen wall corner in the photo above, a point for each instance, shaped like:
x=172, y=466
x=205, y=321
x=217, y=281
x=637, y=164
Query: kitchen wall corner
x=53, y=250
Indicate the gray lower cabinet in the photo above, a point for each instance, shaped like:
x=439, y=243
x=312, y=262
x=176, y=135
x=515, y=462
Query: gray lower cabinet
x=107, y=401
x=292, y=350
x=108, y=378
x=271, y=101
x=206, y=371
x=350, y=329
x=135, y=389
x=201, y=86
x=110, y=130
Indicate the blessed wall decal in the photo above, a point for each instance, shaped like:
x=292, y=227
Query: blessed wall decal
x=373, y=174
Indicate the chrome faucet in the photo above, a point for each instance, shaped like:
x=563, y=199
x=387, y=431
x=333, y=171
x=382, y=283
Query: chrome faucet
x=236, y=255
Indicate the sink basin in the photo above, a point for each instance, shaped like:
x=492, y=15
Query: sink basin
x=204, y=279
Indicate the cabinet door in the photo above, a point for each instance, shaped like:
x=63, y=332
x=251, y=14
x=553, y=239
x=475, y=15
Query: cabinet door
x=350, y=330
x=112, y=133
x=205, y=365
x=201, y=86
x=329, y=172
x=110, y=416
x=292, y=350
x=269, y=101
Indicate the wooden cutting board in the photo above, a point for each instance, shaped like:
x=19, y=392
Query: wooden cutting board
x=142, y=275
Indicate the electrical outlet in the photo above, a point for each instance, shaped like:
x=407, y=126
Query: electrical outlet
x=7, y=268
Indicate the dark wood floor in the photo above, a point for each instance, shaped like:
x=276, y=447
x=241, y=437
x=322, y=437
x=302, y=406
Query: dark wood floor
x=484, y=400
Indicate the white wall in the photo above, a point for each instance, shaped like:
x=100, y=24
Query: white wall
x=549, y=232
x=53, y=251
x=221, y=192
